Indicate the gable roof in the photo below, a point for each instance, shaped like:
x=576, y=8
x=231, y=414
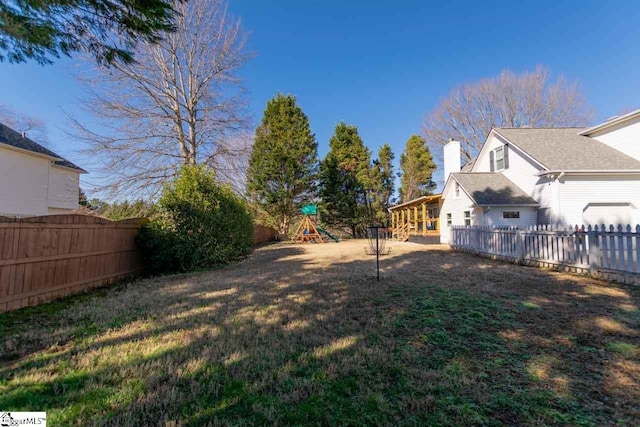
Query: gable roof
x=565, y=150
x=492, y=188
x=611, y=122
x=15, y=139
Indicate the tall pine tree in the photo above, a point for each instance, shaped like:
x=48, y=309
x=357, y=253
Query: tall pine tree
x=382, y=184
x=345, y=181
x=417, y=166
x=283, y=164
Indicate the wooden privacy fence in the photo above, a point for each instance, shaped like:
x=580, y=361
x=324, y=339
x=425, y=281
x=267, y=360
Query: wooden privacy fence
x=43, y=258
x=610, y=253
x=262, y=234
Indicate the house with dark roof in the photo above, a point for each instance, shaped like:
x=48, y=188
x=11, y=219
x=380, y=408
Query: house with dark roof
x=562, y=176
x=33, y=179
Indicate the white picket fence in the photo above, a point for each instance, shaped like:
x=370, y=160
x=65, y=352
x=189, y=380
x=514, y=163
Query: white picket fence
x=601, y=251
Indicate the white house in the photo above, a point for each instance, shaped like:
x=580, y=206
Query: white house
x=562, y=176
x=34, y=180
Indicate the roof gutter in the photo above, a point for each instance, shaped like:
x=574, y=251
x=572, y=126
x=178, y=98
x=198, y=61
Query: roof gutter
x=488, y=205
x=76, y=169
x=590, y=172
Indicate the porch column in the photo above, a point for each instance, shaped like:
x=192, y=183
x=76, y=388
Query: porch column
x=424, y=219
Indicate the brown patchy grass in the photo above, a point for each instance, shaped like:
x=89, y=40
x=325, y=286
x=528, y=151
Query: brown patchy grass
x=305, y=335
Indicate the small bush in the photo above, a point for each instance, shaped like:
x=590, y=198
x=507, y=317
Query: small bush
x=199, y=224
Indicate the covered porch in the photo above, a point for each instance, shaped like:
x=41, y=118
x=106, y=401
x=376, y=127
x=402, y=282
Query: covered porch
x=417, y=220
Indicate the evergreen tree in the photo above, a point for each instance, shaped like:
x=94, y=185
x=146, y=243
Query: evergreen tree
x=383, y=184
x=417, y=166
x=82, y=198
x=283, y=163
x=108, y=30
x=345, y=180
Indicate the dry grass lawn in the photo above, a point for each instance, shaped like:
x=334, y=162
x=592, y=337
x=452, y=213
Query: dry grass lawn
x=305, y=335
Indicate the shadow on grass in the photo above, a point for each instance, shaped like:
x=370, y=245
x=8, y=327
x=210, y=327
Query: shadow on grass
x=285, y=338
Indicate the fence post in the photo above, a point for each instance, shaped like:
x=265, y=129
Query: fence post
x=594, y=250
x=519, y=246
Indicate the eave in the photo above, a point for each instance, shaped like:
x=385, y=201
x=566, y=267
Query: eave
x=416, y=201
x=613, y=122
x=590, y=172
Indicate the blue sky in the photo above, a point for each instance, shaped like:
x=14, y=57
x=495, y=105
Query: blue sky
x=383, y=65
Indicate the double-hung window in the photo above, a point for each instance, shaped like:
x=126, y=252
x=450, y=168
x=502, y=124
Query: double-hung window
x=467, y=218
x=499, y=158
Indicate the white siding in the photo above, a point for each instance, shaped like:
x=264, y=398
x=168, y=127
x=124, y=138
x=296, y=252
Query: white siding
x=456, y=207
x=623, y=137
x=528, y=216
x=64, y=187
x=575, y=193
x=545, y=193
x=23, y=183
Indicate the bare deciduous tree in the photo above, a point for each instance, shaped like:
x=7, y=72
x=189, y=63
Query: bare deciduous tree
x=33, y=127
x=509, y=100
x=180, y=103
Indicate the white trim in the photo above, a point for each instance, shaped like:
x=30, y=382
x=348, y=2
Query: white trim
x=609, y=123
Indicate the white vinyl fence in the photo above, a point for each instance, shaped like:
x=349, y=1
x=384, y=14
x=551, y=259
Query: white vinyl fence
x=611, y=253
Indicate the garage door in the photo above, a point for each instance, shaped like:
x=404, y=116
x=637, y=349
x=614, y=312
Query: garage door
x=610, y=213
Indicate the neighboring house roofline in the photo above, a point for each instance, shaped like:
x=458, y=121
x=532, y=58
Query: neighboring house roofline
x=29, y=152
x=63, y=165
x=611, y=122
x=19, y=141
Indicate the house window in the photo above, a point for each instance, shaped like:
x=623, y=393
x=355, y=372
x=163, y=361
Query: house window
x=448, y=220
x=510, y=214
x=457, y=190
x=467, y=218
x=499, y=158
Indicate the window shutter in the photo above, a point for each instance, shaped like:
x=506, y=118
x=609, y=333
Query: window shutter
x=492, y=161
x=506, y=156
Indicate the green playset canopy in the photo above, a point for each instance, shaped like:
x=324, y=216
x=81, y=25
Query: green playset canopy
x=309, y=209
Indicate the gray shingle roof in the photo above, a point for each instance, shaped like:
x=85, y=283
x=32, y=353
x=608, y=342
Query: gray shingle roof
x=492, y=188
x=564, y=149
x=10, y=137
x=468, y=167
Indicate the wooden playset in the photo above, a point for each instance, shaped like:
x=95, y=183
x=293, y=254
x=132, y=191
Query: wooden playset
x=309, y=231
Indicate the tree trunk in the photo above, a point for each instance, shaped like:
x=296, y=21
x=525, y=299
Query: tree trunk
x=284, y=224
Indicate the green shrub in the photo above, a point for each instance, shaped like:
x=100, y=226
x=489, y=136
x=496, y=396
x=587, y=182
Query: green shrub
x=199, y=224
